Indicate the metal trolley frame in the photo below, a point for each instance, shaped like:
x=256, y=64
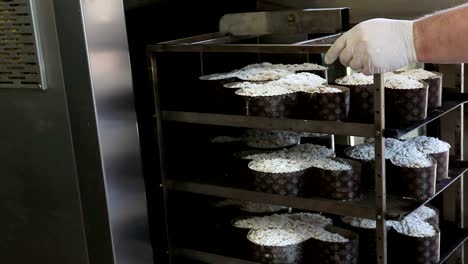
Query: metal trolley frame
x=379, y=206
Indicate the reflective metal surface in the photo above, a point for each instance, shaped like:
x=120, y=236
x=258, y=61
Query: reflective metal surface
x=329, y=20
x=111, y=80
x=380, y=170
x=364, y=9
x=41, y=219
x=93, y=42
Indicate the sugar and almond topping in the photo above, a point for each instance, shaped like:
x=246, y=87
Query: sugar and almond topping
x=419, y=74
x=264, y=71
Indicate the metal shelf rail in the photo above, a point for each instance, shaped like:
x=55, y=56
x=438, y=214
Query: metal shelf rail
x=397, y=208
x=452, y=102
x=378, y=206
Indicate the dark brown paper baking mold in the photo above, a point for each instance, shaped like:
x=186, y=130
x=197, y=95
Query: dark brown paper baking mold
x=290, y=184
x=277, y=106
x=324, y=106
x=442, y=165
x=361, y=103
x=435, y=91
x=334, y=253
x=403, y=106
x=415, y=183
x=292, y=254
x=341, y=185
x=414, y=250
x=367, y=171
x=312, y=182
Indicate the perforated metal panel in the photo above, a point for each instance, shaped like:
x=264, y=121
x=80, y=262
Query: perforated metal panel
x=20, y=50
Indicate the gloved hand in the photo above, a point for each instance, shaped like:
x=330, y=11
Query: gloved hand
x=375, y=46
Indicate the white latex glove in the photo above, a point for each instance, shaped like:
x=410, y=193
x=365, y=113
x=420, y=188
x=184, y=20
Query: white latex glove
x=375, y=46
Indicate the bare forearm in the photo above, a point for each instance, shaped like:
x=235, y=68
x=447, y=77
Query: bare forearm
x=443, y=37
x=383, y=45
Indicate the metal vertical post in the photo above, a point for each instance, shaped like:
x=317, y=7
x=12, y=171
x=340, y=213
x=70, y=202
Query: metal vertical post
x=459, y=152
x=202, y=65
x=453, y=198
x=459, y=137
x=380, y=185
x=460, y=124
x=154, y=79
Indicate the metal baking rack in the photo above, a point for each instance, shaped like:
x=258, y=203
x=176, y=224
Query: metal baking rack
x=379, y=205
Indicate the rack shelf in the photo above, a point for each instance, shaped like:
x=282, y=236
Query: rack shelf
x=451, y=102
x=452, y=239
x=357, y=208
x=397, y=208
x=324, y=127
x=206, y=257
x=218, y=42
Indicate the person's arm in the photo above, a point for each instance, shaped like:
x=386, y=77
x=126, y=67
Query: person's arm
x=381, y=45
x=443, y=37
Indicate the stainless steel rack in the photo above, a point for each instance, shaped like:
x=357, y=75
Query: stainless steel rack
x=223, y=42
x=377, y=206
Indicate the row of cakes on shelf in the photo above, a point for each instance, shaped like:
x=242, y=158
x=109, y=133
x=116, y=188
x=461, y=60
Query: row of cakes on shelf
x=264, y=72
x=227, y=152
x=413, y=168
x=223, y=99
x=313, y=238
x=408, y=95
x=295, y=91
x=277, y=164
